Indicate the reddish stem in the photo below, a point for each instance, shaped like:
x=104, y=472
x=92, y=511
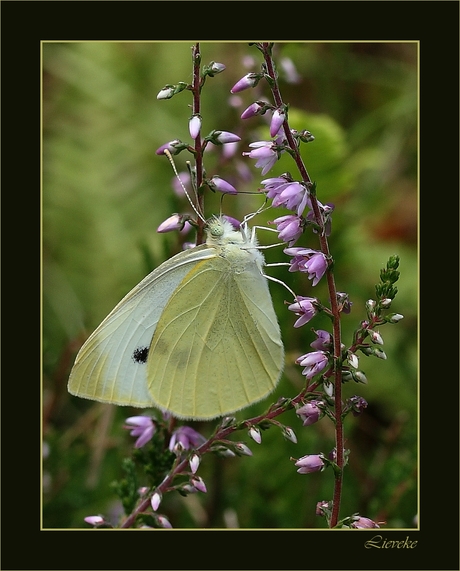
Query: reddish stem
x=266, y=50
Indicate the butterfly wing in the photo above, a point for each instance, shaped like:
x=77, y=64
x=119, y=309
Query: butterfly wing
x=111, y=365
x=217, y=346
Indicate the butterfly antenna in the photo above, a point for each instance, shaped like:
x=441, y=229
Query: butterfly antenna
x=171, y=160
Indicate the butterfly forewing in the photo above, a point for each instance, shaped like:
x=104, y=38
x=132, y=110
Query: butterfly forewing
x=111, y=366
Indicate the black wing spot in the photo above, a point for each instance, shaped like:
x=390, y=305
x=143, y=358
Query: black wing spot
x=140, y=354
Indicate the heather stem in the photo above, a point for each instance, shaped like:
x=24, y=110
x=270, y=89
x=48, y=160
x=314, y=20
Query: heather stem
x=220, y=434
x=196, y=109
x=270, y=67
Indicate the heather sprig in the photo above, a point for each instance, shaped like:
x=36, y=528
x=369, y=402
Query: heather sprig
x=180, y=450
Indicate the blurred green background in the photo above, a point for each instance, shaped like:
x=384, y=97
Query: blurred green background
x=105, y=192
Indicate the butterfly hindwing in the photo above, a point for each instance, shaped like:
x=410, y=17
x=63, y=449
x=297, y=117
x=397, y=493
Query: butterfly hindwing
x=111, y=365
x=218, y=352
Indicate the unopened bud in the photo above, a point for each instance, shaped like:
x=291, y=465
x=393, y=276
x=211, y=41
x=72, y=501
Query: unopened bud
x=155, y=501
x=255, y=434
x=242, y=449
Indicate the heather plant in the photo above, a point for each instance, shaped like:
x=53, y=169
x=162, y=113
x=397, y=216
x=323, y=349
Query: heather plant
x=168, y=454
x=106, y=193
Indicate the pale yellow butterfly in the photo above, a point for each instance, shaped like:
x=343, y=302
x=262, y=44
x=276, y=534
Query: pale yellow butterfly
x=197, y=337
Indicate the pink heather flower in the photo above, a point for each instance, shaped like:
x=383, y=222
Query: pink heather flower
x=305, y=307
x=309, y=413
x=277, y=121
x=194, y=126
x=141, y=426
x=313, y=362
x=310, y=261
x=217, y=183
x=323, y=341
x=289, y=227
x=363, y=523
x=292, y=194
x=249, y=80
x=309, y=463
x=184, y=438
x=265, y=154
x=174, y=222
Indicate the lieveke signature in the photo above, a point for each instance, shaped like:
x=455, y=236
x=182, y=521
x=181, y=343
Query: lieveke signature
x=380, y=542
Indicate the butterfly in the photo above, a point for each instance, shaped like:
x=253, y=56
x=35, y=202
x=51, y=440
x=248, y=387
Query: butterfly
x=198, y=337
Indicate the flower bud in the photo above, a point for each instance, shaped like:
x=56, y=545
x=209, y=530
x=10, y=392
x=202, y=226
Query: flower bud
x=359, y=377
x=194, y=462
x=309, y=463
x=214, y=68
x=249, y=80
x=276, y=122
x=353, y=360
x=328, y=388
x=194, y=126
x=395, y=317
x=376, y=337
x=174, y=222
x=166, y=93
x=169, y=90
x=289, y=434
x=223, y=137
x=221, y=185
x=155, y=501
x=255, y=434
x=256, y=108
x=370, y=305
x=174, y=147
x=242, y=449
x=163, y=521
x=199, y=484
x=94, y=519
x=379, y=353
x=363, y=523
